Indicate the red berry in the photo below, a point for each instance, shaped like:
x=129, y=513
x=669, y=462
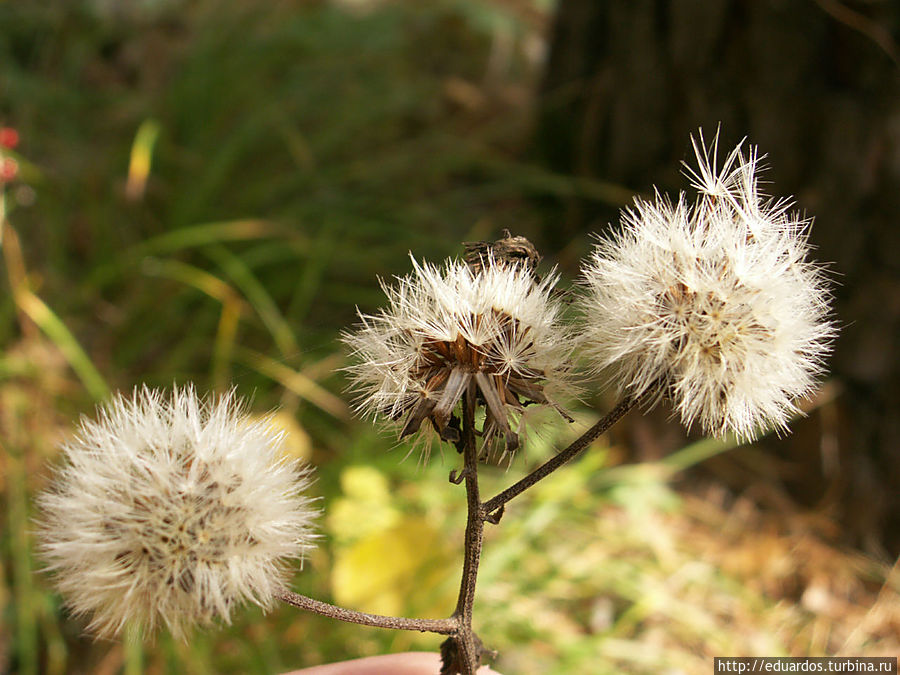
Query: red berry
x=9, y=137
x=8, y=169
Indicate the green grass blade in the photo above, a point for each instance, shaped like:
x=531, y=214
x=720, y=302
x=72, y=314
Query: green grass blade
x=207, y=233
x=224, y=344
x=313, y=271
x=294, y=381
x=233, y=308
x=141, y=159
x=190, y=275
x=134, y=651
x=54, y=328
x=697, y=452
x=258, y=297
x=182, y=239
x=26, y=641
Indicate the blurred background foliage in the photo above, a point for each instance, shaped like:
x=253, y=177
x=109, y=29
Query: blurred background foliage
x=207, y=190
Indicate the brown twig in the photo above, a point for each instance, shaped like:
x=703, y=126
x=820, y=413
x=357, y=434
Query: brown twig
x=441, y=626
x=462, y=651
x=862, y=24
x=493, y=508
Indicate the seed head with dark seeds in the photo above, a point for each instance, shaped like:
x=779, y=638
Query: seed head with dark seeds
x=490, y=326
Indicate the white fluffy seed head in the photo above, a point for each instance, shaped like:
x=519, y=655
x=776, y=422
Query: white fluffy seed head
x=173, y=510
x=494, y=319
x=711, y=303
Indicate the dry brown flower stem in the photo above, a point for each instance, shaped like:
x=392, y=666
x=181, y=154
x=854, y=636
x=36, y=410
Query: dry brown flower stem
x=440, y=626
x=462, y=651
x=493, y=508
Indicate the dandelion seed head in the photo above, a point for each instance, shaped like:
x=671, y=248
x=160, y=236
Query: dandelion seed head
x=492, y=326
x=712, y=303
x=172, y=510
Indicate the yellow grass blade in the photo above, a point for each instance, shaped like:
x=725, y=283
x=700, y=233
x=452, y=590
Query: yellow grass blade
x=62, y=337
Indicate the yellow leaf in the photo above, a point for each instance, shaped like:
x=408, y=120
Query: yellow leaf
x=397, y=571
x=366, y=507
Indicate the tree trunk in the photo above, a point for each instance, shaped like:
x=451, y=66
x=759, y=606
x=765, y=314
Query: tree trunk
x=816, y=84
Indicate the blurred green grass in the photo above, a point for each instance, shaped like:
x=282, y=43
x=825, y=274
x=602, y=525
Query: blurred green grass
x=208, y=191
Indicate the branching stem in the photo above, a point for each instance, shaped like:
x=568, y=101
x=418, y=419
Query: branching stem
x=462, y=651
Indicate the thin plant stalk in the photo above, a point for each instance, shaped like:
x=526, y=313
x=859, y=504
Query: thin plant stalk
x=493, y=508
x=462, y=651
x=440, y=626
x=464, y=642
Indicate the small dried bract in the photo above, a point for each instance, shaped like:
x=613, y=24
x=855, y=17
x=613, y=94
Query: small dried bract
x=711, y=303
x=492, y=327
x=171, y=510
